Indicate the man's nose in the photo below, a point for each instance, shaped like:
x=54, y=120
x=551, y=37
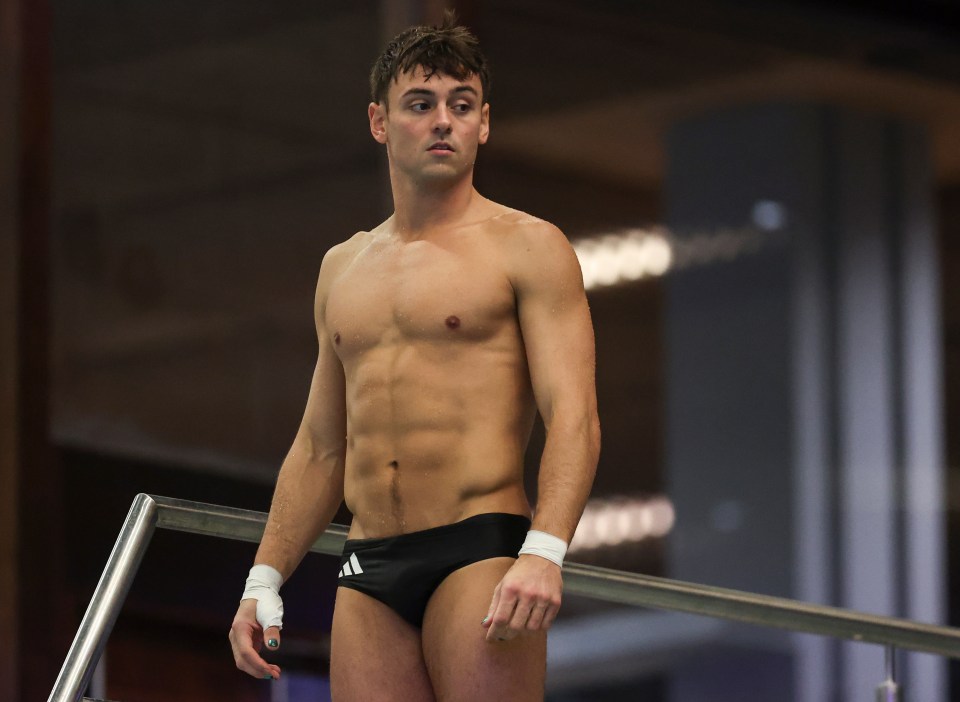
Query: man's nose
x=441, y=124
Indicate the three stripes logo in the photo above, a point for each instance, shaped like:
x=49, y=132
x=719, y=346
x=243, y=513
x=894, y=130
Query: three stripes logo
x=351, y=567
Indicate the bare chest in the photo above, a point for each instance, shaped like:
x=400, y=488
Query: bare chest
x=419, y=291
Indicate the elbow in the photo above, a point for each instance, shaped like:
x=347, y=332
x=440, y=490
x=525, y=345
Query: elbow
x=587, y=427
x=581, y=426
x=318, y=450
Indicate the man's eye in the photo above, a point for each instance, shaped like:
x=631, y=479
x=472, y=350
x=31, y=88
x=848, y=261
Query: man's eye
x=419, y=107
x=463, y=107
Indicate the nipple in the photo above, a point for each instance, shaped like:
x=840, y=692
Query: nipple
x=336, y=338
x=452, y=322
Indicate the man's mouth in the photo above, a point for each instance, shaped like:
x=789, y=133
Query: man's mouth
x=441, y=146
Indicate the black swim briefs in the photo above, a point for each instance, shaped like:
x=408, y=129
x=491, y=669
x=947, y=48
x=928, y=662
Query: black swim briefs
x=403, y=571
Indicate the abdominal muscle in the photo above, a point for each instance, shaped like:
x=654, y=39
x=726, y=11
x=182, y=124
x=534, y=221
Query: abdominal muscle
x=434, y=436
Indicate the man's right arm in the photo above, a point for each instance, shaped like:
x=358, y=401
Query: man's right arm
x=309, y=486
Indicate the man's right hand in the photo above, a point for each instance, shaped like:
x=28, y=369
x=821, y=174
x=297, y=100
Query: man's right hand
x=247, y=639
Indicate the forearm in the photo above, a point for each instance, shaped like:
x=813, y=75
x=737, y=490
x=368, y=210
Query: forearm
x=567, y=469
x=308, y=493
x=528, y=597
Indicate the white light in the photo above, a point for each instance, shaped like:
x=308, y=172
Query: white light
x=584, y=250
x=606, y=263
x=620, y=521
x=768, y=215
x=585, y=535
x=604, y=525
x=634, y=254
x=662, y=516
x=626, y=256
x=639, y=521
x=659, y=255
x=624, y=523
x=633, y=258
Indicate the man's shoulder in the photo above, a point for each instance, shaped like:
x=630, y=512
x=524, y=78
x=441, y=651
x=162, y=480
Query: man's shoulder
x=522, y=226
x=525, y=233
x=533, y=248
x=339, y=257
x=342, y=253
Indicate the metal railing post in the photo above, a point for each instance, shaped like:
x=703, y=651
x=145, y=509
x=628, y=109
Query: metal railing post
x=106, y=602
x=889, y=690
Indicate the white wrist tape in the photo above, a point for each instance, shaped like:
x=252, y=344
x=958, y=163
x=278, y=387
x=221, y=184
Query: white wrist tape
x=263, y=585
x=540, y=543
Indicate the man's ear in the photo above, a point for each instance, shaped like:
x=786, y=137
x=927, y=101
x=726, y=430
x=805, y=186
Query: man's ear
x=484, y=122
x=377, y=113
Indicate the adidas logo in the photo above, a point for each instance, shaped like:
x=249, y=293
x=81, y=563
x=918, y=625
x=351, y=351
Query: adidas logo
x=351, y=567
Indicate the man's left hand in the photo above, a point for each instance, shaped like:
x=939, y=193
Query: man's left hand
x=526, y=599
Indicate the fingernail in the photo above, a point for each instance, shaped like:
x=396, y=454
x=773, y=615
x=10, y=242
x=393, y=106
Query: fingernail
x=484, y=620
x=272, y=643
x=268, y=677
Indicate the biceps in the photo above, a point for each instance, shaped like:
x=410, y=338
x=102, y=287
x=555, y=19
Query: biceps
x=561, y=356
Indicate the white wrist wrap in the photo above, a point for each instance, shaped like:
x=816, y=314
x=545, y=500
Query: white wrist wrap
x=540, y=543
x=263, y=585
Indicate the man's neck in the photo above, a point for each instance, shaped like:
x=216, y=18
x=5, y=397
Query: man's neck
x=419, y=209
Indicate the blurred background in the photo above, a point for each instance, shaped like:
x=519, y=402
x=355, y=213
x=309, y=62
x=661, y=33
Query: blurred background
x=765, y=200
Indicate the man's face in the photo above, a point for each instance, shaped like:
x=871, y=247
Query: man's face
x=433, y=126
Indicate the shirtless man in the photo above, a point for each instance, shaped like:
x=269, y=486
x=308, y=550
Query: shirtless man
x=442, y=331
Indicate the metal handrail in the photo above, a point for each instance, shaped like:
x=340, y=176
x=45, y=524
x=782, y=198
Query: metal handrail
x=149, y=512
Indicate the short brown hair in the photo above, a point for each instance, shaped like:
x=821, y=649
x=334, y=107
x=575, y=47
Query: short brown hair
x=449, y=48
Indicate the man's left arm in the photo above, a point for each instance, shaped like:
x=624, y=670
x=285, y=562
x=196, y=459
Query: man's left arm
x=558, y=336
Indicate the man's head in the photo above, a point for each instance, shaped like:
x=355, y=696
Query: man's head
x=429, y=103
x=448, y=49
